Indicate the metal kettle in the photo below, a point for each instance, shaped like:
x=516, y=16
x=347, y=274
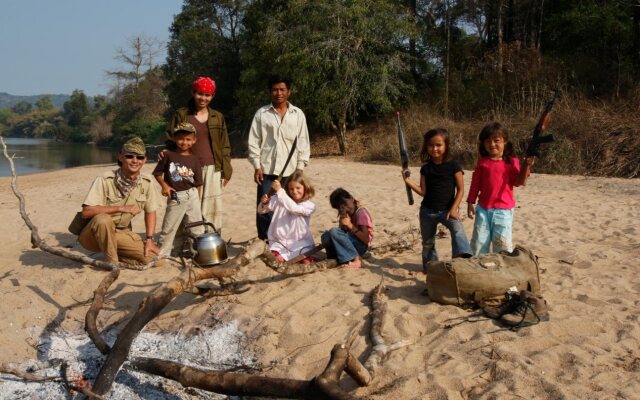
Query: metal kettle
x=207, y=248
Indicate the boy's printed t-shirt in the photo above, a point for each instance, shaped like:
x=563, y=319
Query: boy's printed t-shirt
x=181, y=172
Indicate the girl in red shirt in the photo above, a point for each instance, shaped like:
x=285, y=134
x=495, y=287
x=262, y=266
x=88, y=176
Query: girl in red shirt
x=496, y=174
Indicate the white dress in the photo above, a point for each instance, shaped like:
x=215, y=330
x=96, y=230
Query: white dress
x=289, y=233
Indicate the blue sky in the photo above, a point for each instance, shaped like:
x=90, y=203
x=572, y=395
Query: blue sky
x=56, y=46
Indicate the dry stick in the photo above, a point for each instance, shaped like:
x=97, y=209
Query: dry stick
x=153, y=304
x=5, y=369
x=80, y=389
x=230, y=383
x=296, y=269
x=90, y=324
x=380, y=349
x=36, y=241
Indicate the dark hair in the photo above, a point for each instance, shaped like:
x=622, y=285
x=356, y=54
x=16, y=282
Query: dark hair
x=338, y=197
x=490, y=129
x=273, y=79
x=430, y=134
x=302, y=179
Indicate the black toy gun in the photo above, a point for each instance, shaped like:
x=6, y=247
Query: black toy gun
x=541, y=126
x=404, y=156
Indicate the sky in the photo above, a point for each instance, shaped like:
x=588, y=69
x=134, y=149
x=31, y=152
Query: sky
x=57, y=46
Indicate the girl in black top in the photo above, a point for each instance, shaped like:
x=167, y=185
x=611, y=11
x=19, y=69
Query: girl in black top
x=442, y=186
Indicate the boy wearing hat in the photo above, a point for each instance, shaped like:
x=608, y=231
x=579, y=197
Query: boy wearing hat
x=179, y=173
x=112, y=202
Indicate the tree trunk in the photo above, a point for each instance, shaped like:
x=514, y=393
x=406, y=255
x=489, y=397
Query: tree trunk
x=341, y=132
x=635, y=50
x=500, y=60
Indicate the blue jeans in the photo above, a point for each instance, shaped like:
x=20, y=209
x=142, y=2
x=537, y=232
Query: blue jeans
x=429, y=220
x=341, y=245
x=264, y=220
x=492, y=226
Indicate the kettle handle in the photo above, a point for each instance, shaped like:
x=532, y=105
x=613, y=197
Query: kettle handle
x=198, y=223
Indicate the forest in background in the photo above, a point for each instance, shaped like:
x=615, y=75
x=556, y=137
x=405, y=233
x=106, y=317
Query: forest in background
x=451, y=63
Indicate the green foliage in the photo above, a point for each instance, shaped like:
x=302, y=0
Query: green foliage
x=205, y=41
x=45, y=103
x=76, y=109
x=346, y=58
x=22, y=108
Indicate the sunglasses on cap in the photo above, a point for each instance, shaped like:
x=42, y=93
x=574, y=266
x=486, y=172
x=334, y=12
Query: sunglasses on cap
x=131, y=156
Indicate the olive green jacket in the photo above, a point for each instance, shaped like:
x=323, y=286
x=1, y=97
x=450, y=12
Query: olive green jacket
x=220, y=144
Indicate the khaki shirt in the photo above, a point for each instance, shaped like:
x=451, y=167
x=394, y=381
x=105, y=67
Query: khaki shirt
x=104, y=192
x=271, y=138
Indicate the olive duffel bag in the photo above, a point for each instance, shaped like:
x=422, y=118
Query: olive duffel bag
x=470, y=282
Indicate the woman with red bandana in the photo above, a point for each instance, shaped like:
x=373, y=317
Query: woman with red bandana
x=212, y=147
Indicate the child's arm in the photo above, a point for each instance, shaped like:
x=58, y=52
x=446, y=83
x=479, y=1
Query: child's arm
x=166, y=189
x=453, y=212
x=265, y=205
x=474, y=190
x=525, y=171
x=360, y=231
x=304, y=208
x=418, y=189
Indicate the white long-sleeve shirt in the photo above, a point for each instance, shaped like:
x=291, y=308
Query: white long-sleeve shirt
x=289, y=233
x=271, y=138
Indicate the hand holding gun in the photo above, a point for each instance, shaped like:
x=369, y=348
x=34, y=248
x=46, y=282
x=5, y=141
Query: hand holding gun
x=541, y=126
x=404, y=156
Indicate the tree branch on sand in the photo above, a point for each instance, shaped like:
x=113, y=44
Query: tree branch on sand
x=325, y=385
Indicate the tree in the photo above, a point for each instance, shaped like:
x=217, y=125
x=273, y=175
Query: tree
x=139, y=57
x=76, y=109
x=206, y=41
x=45, y=103
x=346, y=58
x=22, y=108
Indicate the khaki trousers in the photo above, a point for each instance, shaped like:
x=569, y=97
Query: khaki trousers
x=101, y=235
x=186, y=211
x=212, y=196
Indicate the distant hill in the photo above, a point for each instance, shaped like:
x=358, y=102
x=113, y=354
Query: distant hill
x=8, y=100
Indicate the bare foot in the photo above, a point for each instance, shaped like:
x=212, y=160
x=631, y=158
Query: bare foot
x=354, y=264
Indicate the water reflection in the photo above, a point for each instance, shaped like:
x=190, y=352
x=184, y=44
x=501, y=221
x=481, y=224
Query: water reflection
x=39, y=155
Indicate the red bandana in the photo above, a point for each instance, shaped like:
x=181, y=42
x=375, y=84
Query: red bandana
x=204, y=85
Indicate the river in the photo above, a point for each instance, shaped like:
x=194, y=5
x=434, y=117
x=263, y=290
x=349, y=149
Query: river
x=40, y=155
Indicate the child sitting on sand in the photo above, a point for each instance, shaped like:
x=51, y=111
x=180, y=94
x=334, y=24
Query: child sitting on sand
x=289, y=233
x=492, y=183
x=442, y=186
x=355, y=232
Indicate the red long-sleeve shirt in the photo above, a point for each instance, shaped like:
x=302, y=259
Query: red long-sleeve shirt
x=492, y=183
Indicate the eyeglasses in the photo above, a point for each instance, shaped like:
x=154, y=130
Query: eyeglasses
x=131, y=156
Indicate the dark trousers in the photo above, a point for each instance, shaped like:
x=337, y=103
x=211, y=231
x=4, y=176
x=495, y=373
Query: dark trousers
x=264, y=220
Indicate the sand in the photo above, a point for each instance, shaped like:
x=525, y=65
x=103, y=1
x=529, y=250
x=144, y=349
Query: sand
x=583, y=229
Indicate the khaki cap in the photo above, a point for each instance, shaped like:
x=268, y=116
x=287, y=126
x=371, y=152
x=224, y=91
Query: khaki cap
x=184, y=127
x=134, y=145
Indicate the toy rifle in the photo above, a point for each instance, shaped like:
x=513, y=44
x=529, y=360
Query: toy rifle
x=541, y=126
x=286, y=163
x=404, y=156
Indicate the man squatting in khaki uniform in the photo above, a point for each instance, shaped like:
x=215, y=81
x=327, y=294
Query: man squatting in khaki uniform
x=113, y=200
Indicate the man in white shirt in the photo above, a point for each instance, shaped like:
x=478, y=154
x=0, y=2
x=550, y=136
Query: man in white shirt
x=273, y=131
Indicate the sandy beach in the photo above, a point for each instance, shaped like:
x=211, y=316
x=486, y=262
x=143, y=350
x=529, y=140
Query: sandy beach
x=583, y=229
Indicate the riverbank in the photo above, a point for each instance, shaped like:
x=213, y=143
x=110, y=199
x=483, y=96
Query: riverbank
x=583, y=229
